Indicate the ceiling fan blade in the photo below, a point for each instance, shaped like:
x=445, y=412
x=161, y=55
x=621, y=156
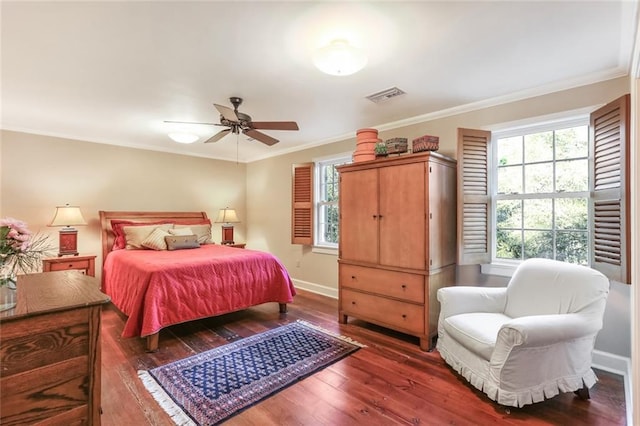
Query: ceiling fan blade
x=227, y=112
x=265, y=139
x=275, y=125
x=190, y=122
x=221, y=134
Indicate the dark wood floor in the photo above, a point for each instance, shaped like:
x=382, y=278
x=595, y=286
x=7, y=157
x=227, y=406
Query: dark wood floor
x=389, y=382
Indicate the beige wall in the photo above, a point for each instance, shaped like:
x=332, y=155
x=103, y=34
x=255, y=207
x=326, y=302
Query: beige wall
x=41, y=172
x=269, y=196
x=269, y=211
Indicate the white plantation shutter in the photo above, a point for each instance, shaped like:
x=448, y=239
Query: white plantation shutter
x=474, y=197
x=610, y=192
x=302, y=204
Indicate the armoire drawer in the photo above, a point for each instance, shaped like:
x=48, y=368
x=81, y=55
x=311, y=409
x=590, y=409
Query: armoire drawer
x=393, y=313
x=400, y=285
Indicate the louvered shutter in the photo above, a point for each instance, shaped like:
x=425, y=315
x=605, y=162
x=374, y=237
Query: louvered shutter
x=302, y=204
x=474, y=197
x=610, y=192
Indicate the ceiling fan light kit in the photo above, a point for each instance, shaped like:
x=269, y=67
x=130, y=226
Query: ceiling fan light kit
x=236, y=122
x=340, y=58
x=183, y=137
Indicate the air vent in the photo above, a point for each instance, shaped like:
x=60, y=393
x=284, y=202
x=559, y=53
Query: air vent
x=385, y=95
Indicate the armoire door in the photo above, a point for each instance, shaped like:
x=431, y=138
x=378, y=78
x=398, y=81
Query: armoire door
x=359, y=216
x=402, y=215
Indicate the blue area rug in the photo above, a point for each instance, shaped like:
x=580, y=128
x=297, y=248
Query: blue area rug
x=208, y=388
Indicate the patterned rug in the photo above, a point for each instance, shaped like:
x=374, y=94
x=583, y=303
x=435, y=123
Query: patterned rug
x=210, y=387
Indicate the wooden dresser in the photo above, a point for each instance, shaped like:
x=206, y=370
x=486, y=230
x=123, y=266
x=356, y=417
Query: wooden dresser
x=50, y=351
x=397, y=241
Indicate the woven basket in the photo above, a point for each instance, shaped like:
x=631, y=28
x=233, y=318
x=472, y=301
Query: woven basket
x=425, y=143
x=396, y=145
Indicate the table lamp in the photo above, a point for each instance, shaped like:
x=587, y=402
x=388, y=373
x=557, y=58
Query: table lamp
x=227, y=216
x=68, y=216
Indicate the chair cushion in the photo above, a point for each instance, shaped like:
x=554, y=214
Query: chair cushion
x=477, y=331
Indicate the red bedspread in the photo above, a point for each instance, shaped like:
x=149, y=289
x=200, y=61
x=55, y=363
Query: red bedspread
x=156, y=289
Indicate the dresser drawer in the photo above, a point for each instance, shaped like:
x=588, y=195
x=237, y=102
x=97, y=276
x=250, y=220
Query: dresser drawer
x=400, y=285
x=393, y=313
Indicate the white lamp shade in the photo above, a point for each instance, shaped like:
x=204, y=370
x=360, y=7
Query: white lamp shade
x=340, y=58
x=227, y=215
x=68, y=216
x=183, y=137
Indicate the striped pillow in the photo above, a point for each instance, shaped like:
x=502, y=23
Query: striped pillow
x=155, y=240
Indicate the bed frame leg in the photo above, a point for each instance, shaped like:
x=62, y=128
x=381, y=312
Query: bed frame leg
x=152, y=342
x=283, y=308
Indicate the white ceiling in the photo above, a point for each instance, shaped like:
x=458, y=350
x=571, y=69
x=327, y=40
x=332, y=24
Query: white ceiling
x=112, y=72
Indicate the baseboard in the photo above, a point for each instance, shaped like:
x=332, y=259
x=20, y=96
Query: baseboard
x=316, y=288
x=618, y=365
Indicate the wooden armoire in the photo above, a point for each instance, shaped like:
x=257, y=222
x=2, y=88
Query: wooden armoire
x=397, y=241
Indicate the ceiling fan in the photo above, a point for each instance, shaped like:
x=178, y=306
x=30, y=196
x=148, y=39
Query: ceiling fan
x=238, y=122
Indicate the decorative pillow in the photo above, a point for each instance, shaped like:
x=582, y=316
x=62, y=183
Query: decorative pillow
x=119, y=241
x=135, y=235
x=202, y=230
x=155, y=240
x=181, y=231
x=179, y=242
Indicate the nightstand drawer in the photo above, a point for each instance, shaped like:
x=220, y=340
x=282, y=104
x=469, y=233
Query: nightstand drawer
x=84, y=264
x=64, y=266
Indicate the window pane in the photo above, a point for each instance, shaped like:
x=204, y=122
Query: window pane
x=572, y=176
x=330, y=213
x=571, y=213
x=509, y=151
x=508, y=214
x=572, y=247
x=538, y=178
x=538, y=147
x=572, y=142
x=509, y=245
x=538, y=244
x=510, y=180
x=538, y=214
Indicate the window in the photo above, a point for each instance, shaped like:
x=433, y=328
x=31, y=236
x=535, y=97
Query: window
x=326, y=200
x=522, y=194
x=540, y=198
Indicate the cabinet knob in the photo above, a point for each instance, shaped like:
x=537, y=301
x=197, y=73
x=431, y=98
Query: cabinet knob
x=404, y=316
x=380, y=216
x=375, y=216
x=404, y=286
x=353, y=302
x=353, y=277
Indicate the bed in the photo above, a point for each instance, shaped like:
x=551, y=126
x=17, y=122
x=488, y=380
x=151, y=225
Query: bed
x=156, y=288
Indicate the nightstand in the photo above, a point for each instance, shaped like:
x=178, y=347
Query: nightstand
x=86, y=264
x=236, y=245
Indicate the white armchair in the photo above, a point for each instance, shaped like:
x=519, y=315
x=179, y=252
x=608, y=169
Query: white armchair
x=528, y=341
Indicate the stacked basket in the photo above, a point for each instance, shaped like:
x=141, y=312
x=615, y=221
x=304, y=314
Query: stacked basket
x=366, y=140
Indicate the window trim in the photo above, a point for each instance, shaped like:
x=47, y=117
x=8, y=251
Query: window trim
x=319, y=162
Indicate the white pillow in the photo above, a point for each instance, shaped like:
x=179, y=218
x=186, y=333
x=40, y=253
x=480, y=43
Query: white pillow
x=181, y=231
x=135, y=235
x=155, y=240
x=203, y=231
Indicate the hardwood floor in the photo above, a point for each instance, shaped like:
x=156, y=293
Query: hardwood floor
x=389, y=382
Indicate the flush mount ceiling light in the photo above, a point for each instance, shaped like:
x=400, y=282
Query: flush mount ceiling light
x=184, y=137
x=340, y=58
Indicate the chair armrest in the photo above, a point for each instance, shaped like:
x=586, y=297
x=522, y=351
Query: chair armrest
x=541, y=330
x=465, y=299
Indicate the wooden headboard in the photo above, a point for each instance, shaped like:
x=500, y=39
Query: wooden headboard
x=106, y=217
